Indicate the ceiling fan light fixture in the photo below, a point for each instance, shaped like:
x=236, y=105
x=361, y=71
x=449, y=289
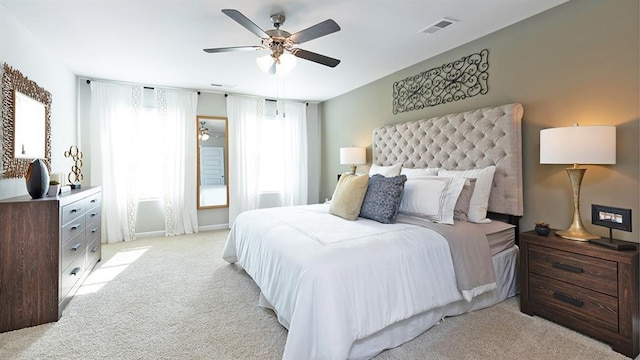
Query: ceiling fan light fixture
x=284, y=63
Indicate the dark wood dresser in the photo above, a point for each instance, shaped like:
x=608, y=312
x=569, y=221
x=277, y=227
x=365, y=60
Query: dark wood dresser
x=588, y=288
x=48, y=247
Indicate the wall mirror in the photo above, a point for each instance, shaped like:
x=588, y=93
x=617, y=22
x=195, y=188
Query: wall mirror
x=26, y=123
x=212, y=160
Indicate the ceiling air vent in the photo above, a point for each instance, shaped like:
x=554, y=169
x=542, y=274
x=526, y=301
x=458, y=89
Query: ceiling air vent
x=438, y=25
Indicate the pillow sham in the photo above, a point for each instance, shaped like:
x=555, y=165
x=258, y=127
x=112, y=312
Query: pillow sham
x=431, y=197
x=479, y=202
x=392, y=170
x=348, y=196
x=382, y=199
x=413, y=173
x=461, y=210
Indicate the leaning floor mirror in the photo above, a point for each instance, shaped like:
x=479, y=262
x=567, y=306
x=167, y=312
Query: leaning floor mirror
x=212, y=161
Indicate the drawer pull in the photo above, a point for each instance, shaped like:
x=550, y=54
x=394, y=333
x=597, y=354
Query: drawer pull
x=95, y=248
x=94, y=230
x=75, y=226
x=73, y=211
x=93, y=215
x=566, y=267
x=76, y=247
x=75, y=271
x=568, y=299
x=93, y=200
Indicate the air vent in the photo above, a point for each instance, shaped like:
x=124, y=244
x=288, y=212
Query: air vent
x=438, y=25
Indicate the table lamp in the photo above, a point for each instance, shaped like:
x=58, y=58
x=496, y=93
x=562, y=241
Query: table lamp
x=578, y=145
x=353, y=156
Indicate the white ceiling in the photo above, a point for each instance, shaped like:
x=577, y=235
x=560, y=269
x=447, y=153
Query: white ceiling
x=160, y=42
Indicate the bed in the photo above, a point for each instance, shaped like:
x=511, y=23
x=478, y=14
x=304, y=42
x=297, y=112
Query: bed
x=351, y=289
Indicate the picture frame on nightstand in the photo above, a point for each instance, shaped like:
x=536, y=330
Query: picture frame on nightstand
x=611, y=218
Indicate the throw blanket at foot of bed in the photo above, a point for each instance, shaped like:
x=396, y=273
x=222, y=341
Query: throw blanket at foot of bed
x=332, y=282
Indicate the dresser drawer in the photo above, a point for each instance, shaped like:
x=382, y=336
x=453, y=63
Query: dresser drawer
x=72, y=229
x=93, y=253
x=70, y=275
x=73, y=210
x=584, y=271
x=93, y=201
x=71, y=250
x=585, y=305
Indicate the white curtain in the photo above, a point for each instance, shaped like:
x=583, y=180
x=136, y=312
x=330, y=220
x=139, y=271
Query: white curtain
x=117, y=115
x=268, y=154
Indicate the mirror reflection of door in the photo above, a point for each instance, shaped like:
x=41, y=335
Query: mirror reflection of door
x=212, y=161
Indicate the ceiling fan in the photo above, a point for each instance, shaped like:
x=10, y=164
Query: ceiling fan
x=282, y=43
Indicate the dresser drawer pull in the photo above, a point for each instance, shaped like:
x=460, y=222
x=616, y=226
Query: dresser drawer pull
x=94, y=230
x=76, y=247
x=93, y=201
x=73, y=211
x=75, y=271
x=568, y=268
x=75, y=226
x=95, y=248
x=93, y=214
x=568, y=299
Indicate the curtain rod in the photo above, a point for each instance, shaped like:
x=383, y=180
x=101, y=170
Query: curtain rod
x=146, y=86
x=305, y=102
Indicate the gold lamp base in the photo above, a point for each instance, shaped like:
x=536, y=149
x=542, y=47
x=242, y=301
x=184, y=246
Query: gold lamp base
x=576, y=231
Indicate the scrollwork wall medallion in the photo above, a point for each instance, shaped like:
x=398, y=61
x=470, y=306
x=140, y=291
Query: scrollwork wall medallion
x=13, y=80
x=454, y=81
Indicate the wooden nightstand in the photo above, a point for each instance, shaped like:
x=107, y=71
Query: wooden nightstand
x=588, y=288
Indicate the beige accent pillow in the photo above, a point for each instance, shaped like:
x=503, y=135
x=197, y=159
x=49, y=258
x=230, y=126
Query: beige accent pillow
x=348, y=196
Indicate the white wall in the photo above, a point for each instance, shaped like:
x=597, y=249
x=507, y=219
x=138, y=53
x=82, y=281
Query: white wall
x=20, y=50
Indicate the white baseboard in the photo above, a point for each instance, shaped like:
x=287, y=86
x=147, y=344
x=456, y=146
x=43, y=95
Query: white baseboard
x=213, y=227
x=200, y=228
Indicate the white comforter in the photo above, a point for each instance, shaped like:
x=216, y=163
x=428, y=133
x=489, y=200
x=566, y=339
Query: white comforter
x=333, y=281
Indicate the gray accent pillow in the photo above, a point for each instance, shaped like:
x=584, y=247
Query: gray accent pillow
x=382, y=200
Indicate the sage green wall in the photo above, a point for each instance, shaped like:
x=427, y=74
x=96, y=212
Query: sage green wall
x=578, y=62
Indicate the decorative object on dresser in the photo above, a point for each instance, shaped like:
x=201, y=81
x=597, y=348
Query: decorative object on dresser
x=37, y=179
x=578, y=145
x=353, y=156
x=450, y=82
x=582, y=286
x=48, y=247
x=76, y=169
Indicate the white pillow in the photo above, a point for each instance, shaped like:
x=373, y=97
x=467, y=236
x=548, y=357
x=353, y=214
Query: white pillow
x=431, y=197
x=479, y=202
x=388, y=171
x=413, y=173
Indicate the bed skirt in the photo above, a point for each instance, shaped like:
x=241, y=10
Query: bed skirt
x=505, y=265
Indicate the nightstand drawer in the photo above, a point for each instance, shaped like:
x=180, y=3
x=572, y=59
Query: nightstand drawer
x=584, y=271
x=585, y=305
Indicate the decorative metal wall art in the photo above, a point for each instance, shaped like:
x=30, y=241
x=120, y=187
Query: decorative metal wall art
x=15, y=166
x=454, y=81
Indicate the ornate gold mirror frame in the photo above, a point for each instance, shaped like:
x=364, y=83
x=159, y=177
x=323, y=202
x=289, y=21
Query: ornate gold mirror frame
x=12, y=81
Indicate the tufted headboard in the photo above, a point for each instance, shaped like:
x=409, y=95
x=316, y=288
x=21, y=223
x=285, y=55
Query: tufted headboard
x=468, y=140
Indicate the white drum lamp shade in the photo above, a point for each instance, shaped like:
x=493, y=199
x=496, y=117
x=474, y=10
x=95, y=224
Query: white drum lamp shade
x=353, y=156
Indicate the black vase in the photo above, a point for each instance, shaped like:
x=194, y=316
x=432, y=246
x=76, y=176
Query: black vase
x=37, y=178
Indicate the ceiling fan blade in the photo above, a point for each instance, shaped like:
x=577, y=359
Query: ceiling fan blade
x=320, y=59
x=244, y=21
x=234, y=48
x=321, y=29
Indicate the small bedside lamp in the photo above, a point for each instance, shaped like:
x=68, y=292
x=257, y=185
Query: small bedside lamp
x=578, y=145
x=353, y=156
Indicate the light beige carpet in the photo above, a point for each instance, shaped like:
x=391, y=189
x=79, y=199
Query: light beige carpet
x=175, y=298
